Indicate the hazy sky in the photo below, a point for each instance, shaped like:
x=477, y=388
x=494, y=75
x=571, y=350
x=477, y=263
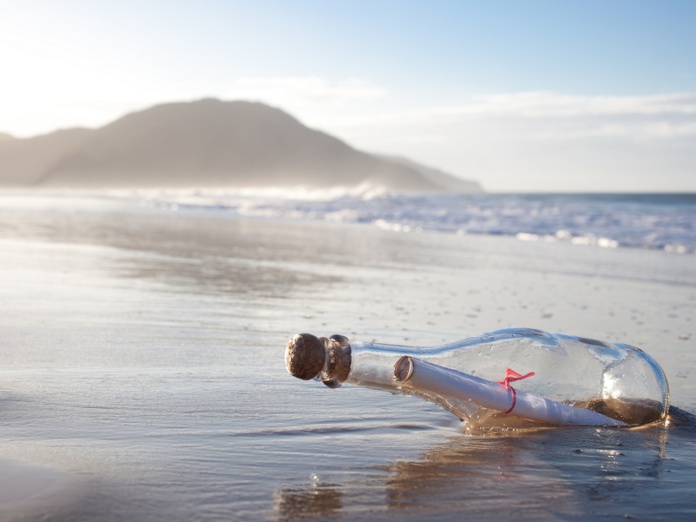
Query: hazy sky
x=520, y=95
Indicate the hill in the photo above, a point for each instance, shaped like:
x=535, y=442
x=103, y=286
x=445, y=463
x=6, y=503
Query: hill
x=23, y=162
x=203, y=144
x=439, y=177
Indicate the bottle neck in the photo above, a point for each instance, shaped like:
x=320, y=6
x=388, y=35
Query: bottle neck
x=364, y=363
x=338, y=360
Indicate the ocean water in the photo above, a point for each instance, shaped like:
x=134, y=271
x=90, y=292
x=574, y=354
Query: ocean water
x=646, y=221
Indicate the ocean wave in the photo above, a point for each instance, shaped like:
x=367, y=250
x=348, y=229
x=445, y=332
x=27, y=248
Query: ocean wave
x=646, y=221
x=658, y=221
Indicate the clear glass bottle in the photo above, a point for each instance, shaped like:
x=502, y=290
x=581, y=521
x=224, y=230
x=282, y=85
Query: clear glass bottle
x=618, y=381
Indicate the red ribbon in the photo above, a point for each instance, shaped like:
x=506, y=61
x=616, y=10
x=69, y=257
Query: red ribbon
x=512, y=376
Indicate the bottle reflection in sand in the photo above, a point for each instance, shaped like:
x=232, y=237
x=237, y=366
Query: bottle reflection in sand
x=544, y=474
x=320, y=500
x=535, y=473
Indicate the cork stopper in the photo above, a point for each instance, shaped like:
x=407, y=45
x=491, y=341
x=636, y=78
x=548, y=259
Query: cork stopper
x=305, y=356
x=403, y=369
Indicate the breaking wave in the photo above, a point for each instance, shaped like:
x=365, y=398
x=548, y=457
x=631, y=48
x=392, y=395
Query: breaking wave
x=649, y=221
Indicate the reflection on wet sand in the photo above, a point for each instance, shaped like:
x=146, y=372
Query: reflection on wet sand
x=475, y=475
x=320, y=500
x=558, y=473
x=208, y=256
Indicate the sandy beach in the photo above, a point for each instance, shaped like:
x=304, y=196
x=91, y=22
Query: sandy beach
x=142, y=371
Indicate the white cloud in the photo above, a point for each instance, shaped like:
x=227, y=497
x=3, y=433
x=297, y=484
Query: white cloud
x=638, y=131
x=303, y=89
x=548, y=116
x=555, y=105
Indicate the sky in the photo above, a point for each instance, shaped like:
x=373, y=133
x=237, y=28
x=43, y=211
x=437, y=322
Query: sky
x=536, y=95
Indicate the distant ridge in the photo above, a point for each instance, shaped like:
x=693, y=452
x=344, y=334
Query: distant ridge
x=207, y=144
x=446, y=181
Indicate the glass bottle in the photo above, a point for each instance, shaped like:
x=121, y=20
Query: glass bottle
x=490, y=380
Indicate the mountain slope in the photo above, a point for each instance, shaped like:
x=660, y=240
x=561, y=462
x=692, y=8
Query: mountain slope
x=439, y=177
x=23, y=162
x=207, y=143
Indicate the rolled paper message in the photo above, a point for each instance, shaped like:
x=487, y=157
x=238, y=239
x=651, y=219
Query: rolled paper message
x=426, y=376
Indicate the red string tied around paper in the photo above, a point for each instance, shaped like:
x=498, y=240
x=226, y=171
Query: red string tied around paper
x=512, y=376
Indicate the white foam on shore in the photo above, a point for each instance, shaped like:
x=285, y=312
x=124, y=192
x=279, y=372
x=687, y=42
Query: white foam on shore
x=296, y=193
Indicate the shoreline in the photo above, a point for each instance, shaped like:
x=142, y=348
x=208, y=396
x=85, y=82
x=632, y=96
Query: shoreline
x=282, y=204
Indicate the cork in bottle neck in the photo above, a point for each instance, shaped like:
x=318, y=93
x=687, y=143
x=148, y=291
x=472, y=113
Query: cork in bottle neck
x=309, y=357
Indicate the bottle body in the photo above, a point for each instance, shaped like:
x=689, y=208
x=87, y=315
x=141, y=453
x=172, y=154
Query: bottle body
x=617, y=380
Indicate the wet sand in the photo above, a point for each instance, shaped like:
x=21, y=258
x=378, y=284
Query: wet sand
x=142, y=373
